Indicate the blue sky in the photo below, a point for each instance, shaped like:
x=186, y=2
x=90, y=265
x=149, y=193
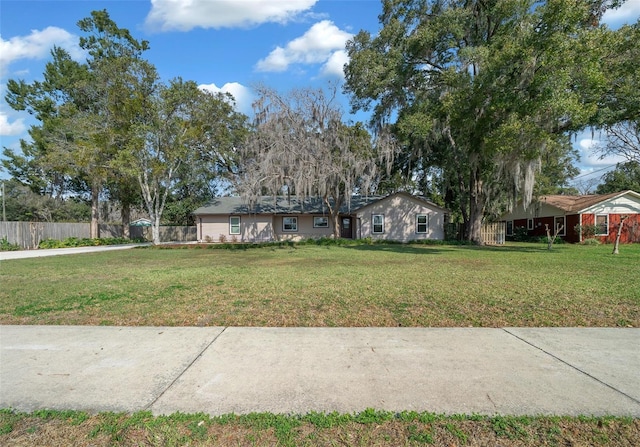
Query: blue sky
x=228, y=45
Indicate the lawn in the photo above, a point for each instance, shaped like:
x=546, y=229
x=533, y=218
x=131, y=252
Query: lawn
x=366, y=429
x=310, y=285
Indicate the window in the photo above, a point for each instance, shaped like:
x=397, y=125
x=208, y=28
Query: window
x=234, y=225
x=529, y=224
x=422, y=223
x=602, y=222
x=378, y=223
x=560, y=225
x=509, y=228
x=289, y=224
x=321, y=222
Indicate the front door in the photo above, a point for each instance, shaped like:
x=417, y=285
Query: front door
x=345, y=229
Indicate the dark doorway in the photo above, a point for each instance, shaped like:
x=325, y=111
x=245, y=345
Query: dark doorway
x=345, y=228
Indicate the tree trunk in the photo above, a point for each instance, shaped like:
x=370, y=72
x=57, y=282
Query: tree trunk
x=94, y=229
x=335, y=218
x=615, y=246
x=155, y=229
x=125, y=215
x=334, y=214
x=476, y=208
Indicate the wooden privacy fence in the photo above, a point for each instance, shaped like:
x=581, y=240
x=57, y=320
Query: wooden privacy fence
x=168, y=233
x=493, y=233
x=28, y=235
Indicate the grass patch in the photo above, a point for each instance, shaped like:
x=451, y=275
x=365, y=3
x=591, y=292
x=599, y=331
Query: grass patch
x=327, y=285
x=369, y=428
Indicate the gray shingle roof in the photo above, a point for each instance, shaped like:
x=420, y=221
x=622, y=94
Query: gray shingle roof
x=280, y=205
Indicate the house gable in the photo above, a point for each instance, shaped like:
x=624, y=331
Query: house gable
x=402, y=217
x=627, y=202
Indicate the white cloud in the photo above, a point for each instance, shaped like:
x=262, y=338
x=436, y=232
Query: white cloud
x=591, y=164
x=629, y=12
x=322, y=43
x=240, y=93
x=183, y=15
x=37, y=45
x=11, y=129
x=335, y=65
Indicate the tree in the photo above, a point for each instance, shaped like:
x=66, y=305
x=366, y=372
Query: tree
x=623, y=139
x=484, y=89
x=182, y=126
x=625, y=176
x=22, y=204
x=619, y=114
x=80, y=108
x=301, y=147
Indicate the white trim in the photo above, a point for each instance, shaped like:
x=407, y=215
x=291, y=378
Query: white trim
x=529, y=224
x=294, y=223
x=373, y=224
x=326, y=218
x=564, y=225
x=425, y=223
x=595, y=221
x=232, y=225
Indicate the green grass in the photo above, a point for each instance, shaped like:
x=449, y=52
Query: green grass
x=369, y=428
x=308, y=285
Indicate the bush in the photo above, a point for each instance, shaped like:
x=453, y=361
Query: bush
x=590, y=241
x=521, y=234
x=5, y=245
x=588, y=231
x=85, y=242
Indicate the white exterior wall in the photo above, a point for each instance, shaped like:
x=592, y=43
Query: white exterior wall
x=305, y=228
x=400, y=213
x=626, y=204
x=253, y=228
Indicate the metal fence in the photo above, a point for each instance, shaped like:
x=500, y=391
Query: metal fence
x=28, y=235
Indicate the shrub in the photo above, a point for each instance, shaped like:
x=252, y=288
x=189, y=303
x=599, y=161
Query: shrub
x=521, y=234
x=5, y=245
x=85, y=242
x=591, y=241
x=588, y=231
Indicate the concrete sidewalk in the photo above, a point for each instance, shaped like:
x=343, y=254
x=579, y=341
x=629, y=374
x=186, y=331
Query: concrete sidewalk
x=510, y=371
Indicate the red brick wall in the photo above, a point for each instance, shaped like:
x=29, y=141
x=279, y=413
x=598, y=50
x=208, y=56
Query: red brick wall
x=630, y=230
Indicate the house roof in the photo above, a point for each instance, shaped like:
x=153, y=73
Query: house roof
x=289, y=205
x=279, y=205
x=575, y=204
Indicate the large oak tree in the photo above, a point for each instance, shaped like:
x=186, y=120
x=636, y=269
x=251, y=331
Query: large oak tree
x=484, y=89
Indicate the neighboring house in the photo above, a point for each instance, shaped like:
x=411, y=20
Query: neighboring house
x=398, y=217
x=570, y=212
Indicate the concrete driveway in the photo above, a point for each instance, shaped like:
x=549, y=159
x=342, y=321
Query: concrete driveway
x=24, y=254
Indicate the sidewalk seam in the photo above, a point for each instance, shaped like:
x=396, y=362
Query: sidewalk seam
x=572, y=366
x=200, y=354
